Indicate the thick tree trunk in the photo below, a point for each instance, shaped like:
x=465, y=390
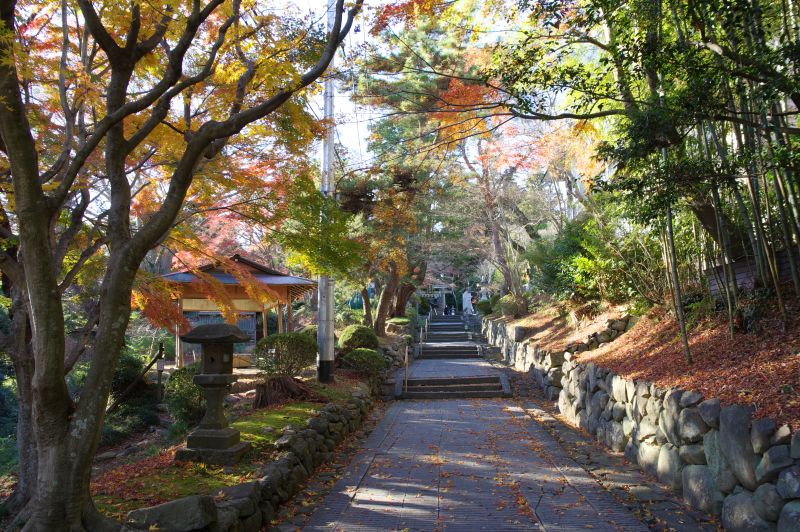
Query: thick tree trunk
x=367, y=307
x=384, y=302
x=404, y=293
x=67, y=444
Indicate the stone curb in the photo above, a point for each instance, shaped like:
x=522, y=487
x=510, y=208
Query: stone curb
x=246, y=507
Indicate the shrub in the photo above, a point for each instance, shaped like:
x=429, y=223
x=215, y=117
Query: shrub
x=366, y=361
x=484, y=307
x=133, y=416
x=310, y=330
x=409, y=339
x=129, y=368
x=356, y=336
x=348, y=316
x=511, y=305
x=424, y=306
x=293, y=352
x=183, y=397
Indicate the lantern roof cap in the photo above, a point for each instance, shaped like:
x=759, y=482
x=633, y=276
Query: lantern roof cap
x=216, y=333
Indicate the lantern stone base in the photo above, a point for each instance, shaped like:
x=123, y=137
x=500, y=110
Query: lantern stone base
x=213, y=446
x=203, y=438
x=229, y=456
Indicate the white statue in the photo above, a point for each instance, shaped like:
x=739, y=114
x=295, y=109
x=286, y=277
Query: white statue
x=466, y=302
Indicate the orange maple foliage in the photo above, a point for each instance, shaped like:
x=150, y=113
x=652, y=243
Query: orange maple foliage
x=405, y=11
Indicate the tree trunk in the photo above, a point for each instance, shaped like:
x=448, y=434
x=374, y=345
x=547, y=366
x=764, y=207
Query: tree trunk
x=676, y=285
x=404, y=293
x=22, y=356
x=367, y=307
x=281, y=388
x=385, y=300
x=68, y=433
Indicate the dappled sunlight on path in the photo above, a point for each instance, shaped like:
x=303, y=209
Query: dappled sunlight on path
x=470, y=464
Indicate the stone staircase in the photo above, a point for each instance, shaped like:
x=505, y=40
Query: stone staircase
x=452, y=353
x=462, y=349
x=455, y=388
x=443, y=329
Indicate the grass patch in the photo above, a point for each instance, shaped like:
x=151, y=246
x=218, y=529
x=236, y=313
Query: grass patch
x=151, y=480
x=159, y=478
x=340, y=390
x=252, y=426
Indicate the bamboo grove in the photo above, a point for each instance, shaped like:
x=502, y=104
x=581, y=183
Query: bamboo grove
x=695, y=106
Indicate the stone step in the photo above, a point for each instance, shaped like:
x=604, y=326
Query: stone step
x=444, y=381
x=429, y=355
x=452, y=395
x=489, y=387
x=449, y=346
x=445, y=347
x=445, y=327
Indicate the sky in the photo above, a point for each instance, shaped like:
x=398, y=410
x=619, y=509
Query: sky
x=351, y=120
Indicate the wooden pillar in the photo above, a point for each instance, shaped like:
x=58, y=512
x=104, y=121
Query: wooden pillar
x=179, y=362
x=280, y=318
x=265, y=314
x=289, y=316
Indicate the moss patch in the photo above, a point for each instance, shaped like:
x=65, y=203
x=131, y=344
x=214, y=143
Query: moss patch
x=147, y=481
x=159, y=478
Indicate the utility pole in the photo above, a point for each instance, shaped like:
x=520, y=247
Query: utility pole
x=325, y=357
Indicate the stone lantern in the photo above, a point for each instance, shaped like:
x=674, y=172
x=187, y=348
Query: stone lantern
x=213, y=441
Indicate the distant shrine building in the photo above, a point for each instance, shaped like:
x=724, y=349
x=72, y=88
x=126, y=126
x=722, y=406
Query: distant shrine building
x=253, y=317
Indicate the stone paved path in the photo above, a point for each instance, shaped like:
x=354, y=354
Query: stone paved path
x=457, y=367
x=467, y=465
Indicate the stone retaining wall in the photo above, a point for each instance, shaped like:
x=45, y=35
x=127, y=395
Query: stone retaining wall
x=722, y=461
x=246, y=507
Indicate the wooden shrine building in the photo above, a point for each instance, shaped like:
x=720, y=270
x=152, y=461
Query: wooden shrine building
x=252, y=315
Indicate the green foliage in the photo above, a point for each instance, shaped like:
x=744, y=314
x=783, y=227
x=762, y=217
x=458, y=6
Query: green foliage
x=8, y=455
x=551, y=260
x=356, y=336
x=318, y=234
x=484, y=307
x=286, y=353
x=513, y=306
x=698, y=307
x=399, y=321
x=183, y=397
x=136, y=414
x=409, y=339
x=424, y=306
x=366, y=361
x=129, y=368
x=606, y=256
x=8, y=425
x=348, y=316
